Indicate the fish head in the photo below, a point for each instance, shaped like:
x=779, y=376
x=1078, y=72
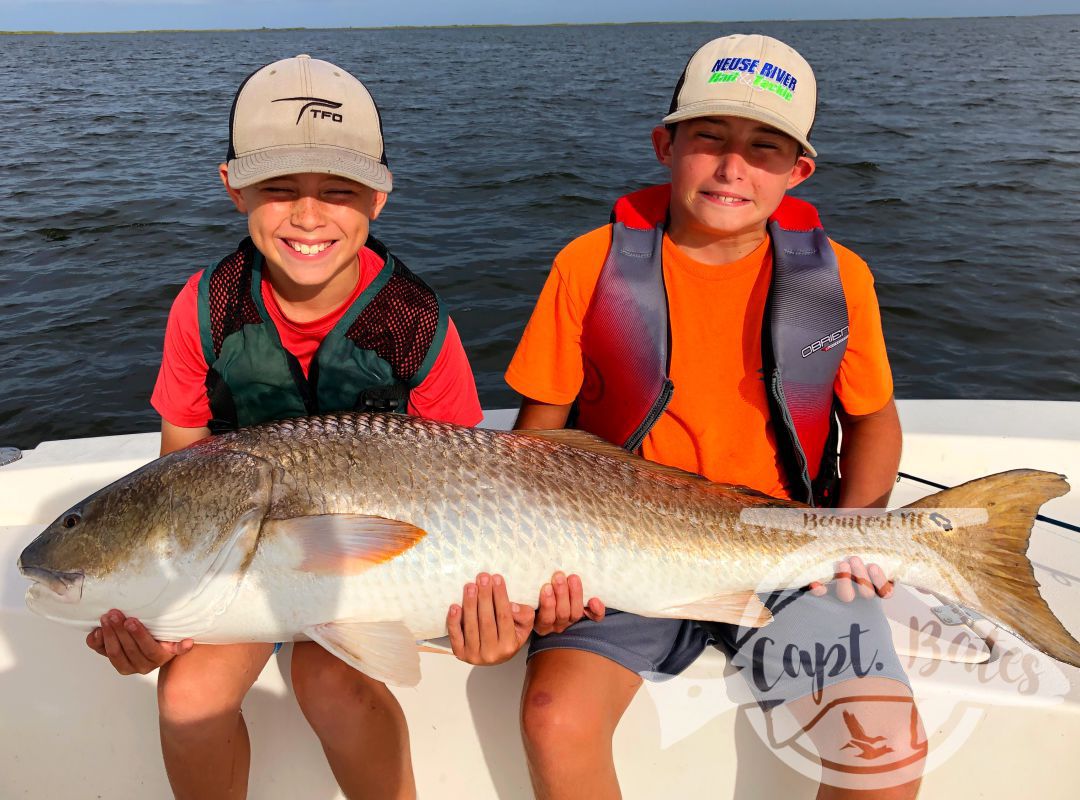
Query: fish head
x=173, y=532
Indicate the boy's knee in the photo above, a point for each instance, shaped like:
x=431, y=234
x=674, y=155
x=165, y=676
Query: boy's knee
x=551, y=721
x=188, y=698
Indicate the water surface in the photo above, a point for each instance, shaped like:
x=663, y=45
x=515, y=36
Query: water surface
x=949, y=159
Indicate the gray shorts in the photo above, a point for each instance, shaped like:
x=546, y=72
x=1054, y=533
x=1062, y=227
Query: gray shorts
x=812, y=642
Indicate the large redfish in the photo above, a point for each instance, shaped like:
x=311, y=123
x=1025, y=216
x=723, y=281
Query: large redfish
x=358, y=531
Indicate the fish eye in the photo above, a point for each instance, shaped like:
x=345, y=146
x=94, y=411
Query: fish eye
x=72, y=519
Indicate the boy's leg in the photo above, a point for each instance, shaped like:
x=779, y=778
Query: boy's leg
x=864, y=722
x=571, y=704
x=203, y=737
x=577, y=687
x=358, y=721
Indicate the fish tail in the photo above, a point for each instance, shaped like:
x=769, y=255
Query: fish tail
x=992, y=556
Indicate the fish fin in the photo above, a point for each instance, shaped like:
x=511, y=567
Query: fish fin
x=582, y=440
x=346, y=544
x=385, y=651
x=738, y=608
x=992, y=557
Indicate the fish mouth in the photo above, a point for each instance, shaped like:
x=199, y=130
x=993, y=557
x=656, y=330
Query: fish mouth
x=66, y=586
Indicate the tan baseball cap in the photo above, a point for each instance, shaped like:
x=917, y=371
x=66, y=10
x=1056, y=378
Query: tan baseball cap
x=305, y=115
x=756, y=77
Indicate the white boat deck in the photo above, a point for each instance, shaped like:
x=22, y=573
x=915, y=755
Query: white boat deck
x=1005, y=728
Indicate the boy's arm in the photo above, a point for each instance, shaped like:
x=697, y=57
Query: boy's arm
x=869, y=460
x=448, y=391
x=536, y=416
x=869, y=457
x=174, y=437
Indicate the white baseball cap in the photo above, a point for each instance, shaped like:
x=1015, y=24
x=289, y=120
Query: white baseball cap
x=755, y=77
x=305, y=115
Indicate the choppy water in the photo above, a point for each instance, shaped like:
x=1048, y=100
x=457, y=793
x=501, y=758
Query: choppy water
x=949, y=159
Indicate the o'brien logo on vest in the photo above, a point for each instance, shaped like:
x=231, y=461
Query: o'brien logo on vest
x=751, y=72
x=827, y=343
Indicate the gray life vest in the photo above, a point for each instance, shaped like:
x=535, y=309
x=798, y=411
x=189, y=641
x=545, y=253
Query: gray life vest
x=626, y=345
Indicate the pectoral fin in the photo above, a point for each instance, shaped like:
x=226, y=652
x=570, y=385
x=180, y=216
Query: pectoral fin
x=385, y=651
x=346, y=544
x=737, y=608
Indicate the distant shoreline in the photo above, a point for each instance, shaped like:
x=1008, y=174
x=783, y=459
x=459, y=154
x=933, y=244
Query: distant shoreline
x=509, y=25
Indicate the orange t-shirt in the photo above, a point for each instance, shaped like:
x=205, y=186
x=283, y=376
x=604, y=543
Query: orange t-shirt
x=717, y=423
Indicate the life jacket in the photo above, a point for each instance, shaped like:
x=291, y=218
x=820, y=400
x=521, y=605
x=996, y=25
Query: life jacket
x=626, y=339
x=383, y=347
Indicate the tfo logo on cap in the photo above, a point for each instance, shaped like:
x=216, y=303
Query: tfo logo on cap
x=316, y=106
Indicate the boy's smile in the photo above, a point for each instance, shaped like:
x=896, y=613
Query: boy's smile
x=725, y=198
x=728, y=175
x=308, y=248
x=309, y=228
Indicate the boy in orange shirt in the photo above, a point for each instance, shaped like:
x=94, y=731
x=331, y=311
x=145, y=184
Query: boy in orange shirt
x=718, y=342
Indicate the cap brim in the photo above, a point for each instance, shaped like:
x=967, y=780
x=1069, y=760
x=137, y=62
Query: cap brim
x=275, y=162
x=732, y=108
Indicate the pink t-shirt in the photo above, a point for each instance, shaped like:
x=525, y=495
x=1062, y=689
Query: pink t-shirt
x=448, y=393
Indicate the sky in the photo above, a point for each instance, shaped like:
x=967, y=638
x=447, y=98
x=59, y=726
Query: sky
x=120, y=15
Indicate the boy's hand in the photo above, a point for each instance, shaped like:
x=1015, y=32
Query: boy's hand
x=851, y=573
x=562, y=604
x=130, y=647
x=487, y=628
